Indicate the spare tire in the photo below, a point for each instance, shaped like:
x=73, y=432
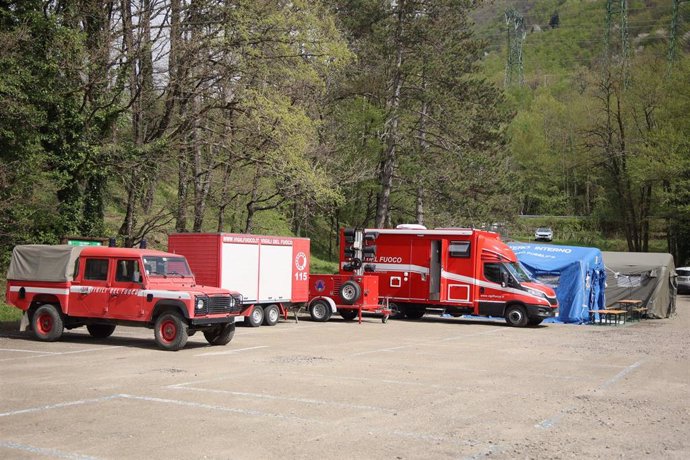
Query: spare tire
x=350, y=292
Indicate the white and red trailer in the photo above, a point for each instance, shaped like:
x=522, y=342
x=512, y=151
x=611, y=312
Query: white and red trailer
x=271, y=272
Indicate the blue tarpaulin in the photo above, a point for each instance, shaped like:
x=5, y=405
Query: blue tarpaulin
x=577, y=274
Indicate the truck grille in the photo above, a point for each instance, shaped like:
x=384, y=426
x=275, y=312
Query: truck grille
x=218, y=304
x=223, y=304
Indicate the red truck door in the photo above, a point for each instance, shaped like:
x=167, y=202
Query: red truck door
x=89, y=296
x=418, y=275
x=124, y=301
x=425, y=269
x=459, y=270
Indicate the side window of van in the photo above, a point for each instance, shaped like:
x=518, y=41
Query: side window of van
x=493, y=272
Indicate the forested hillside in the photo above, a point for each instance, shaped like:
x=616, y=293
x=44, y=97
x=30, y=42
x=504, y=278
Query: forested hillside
x=601, y=126
x=137, y=118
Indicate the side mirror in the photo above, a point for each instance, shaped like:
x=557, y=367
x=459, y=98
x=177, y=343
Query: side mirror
x=506, y=279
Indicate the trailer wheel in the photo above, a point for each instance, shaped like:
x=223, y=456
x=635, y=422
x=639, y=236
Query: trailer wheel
x=348, y=314
x=320, y=311
x=516, y=316
x=256, y=317
x=397, y=312
x=100, y=331
x=350, y=292
x=271, y=315
x=47, y=323
x=415, y=313
x=221, y=334
x=170, y=331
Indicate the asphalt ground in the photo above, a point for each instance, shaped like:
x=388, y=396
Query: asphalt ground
x=432, y=388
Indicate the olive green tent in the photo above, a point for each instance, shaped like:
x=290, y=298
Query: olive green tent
x=646, y=276
x=42, y=262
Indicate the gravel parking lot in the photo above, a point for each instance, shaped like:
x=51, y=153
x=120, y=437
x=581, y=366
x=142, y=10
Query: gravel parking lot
x=433, y=388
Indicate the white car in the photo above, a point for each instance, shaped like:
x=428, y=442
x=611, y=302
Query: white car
x=683, y=280
x=543, y=234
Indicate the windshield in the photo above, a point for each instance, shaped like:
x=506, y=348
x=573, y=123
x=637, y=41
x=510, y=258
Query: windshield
x=682, y=272
x=519, y=272
x=166, y=266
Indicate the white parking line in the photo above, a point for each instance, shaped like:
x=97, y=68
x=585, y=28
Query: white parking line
x=383, y=350
x=425, y=437
x=320, y=402
x=254, y=413
x=234, y=375
x=60, y=353
x=367, y=379
x=57, y=406
x=29, y=351
x=42, y=451
x=230, y=352
x=620, y=375
x=476, y=334
x=553, y=421
x=428, y=342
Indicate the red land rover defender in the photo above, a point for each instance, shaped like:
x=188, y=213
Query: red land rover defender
x=64, y=287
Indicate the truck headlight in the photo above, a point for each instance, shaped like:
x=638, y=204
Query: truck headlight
x=199, y=303
x=537, y=293
x=232, y=302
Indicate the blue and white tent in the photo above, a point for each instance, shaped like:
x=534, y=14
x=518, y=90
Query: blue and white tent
x=577, y=274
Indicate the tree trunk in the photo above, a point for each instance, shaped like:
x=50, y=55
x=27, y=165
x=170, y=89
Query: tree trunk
x=423, y=150
x=127, y=228
x=176, y=75
x=420, y=206
x=387, y=164
x=223, y=197
x=251, y=206
x=202, y=183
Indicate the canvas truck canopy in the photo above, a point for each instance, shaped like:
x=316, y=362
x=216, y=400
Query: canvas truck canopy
x=577, y=274
x=40, y=262
x=645, y=276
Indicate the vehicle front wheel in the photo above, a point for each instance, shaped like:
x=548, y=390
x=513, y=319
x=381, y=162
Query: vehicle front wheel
x=256, y=317
x=221, y=334
x=271, y=315
x=320, y=311
x=100, y=331
x=47, y=323
x=171, y=332
x=516, y=316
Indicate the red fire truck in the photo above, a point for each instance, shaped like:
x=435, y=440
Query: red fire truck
x=271, y=272
x=457, y=271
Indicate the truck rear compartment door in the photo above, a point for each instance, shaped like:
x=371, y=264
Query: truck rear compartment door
x=435, y=271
